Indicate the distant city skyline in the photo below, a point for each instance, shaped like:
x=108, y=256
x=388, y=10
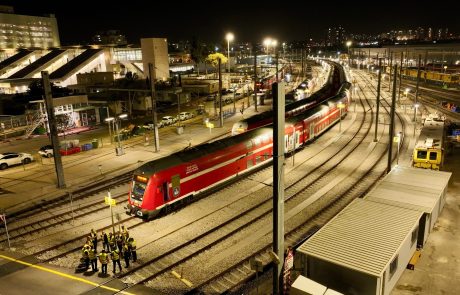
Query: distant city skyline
x=80, y=21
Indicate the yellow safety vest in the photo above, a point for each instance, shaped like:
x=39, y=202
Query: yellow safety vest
x=115, y=255
x=91, y=254
x=103, y=257
x=133, y=245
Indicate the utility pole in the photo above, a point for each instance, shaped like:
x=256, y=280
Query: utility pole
x=53, y=130
x=156, y=137
x=389, y=76
x=278, y=185
x=416, y=92
x=400, y=77
x=221, y=114
x=378, y=100
x=255, y=78
x=392, y=119
x=276, y=64
x=302, y=65
x=424, y=63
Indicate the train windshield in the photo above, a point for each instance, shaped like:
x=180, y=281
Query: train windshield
x=421, y=154
x=139, y=186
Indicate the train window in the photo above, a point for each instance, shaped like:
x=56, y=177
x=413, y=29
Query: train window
x=138, y=191
x=258, y=159
x=266, y=156
x=421, y=154
x=257, y=141
x=433, y=156
x=250, y=163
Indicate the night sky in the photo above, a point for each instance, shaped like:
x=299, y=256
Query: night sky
x=78, y=21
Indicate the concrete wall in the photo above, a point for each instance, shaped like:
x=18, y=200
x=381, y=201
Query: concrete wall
x=155, y=51
x=405, y=253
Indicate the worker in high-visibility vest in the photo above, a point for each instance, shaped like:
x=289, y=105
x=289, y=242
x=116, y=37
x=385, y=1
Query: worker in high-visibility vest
x=104, y=259
x=105, y=241
x=85, y=256
x=132, y=248
x=93, y=236
x=93, y=259
x=126, y=254
x=115, y=259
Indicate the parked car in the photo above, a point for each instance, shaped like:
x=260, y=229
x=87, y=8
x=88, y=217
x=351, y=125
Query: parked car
x=149, y=125
x=211, y=97
x=10, y=159
x=46, y=151
x=185, y=116
x=168, y=120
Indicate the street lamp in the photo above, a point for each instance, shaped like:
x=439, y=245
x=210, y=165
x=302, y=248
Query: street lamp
x=445, y=69
x=340, y=105
x=229, y=37
x=406, y=91
x=397, y=139
x=348, y=51
x=416, y=106
x=114, y=121
x=267, y=43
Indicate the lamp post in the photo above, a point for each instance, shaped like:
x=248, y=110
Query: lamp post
x=114, y=121
x=340, y=105
x=348, y=52
x=267, y=43
x=229, y=37
x=416, y=105
x=397, y=139
x=406, y=92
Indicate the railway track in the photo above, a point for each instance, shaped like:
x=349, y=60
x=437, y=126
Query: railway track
x=155, y=271
x=203, y=249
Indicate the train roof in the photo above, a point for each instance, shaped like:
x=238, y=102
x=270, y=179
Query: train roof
x=199, y=151
x=314, y=110
x=432, y=134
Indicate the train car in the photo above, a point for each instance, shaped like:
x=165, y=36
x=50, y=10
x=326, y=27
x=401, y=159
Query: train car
x=292, y=109
x=335, y=85
x=433, y=77
x=429, y=150
x=176, y=178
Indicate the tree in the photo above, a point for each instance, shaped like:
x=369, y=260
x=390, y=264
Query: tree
x=197, y=52
x=213, y=58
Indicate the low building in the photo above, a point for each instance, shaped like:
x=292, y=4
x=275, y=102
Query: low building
x=417, y=189
x=363, y=250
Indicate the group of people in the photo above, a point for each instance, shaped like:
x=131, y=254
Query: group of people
x=114, y=247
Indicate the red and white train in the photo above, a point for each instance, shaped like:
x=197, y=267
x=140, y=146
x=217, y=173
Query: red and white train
x=165, y=182
x=336, y=83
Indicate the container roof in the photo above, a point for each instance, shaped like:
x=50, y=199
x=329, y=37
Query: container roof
x=365, y=236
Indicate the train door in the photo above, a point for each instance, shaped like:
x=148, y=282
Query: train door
x=297, y=139
x=165, y=189
x=289, y=142
x=312, y=130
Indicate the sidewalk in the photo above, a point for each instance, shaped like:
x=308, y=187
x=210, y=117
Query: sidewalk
x=24, y=186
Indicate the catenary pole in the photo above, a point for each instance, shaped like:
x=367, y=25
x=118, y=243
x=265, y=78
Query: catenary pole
x=53, y=130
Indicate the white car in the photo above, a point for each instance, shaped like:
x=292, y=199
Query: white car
x=10, y=159
x=185, y=116
x=46, y=151
x=168, y=120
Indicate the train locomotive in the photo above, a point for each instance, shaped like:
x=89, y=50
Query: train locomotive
x=429, y=149
x=164, y=183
